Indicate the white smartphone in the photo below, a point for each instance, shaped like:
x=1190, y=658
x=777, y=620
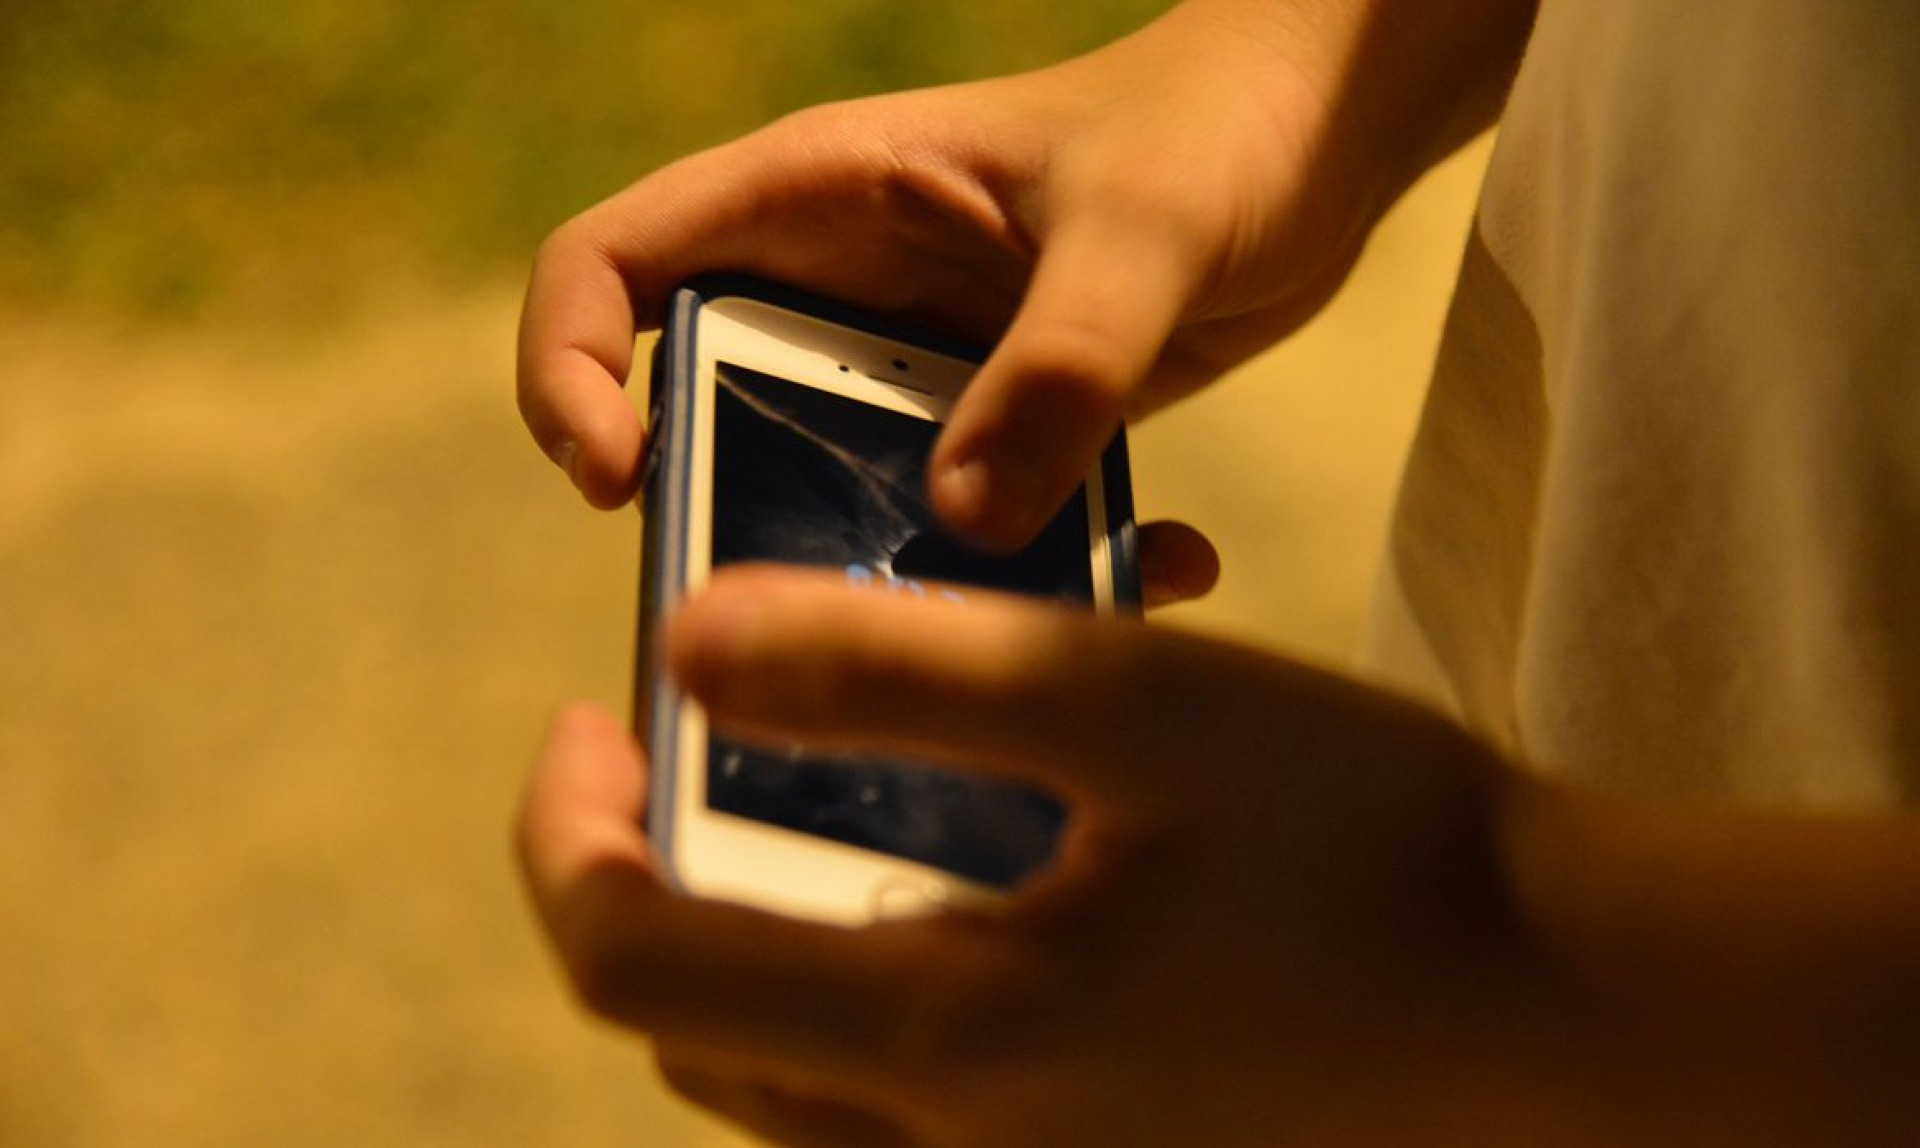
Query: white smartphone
x=789, y=428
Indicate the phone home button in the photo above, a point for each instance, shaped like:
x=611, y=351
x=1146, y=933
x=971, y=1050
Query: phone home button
x=895, y=898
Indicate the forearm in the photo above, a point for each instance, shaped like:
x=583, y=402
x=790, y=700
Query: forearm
x=1740, y=967
x=1402, y=83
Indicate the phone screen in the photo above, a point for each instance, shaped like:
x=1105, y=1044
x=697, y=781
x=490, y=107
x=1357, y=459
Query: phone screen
x=804, y=476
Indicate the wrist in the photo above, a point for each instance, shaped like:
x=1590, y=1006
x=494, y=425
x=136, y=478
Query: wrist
x=1396, y=85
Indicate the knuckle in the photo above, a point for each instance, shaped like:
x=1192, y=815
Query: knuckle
x=874, y=145
x=563, y=245
x=813, y=120
x=830, y=128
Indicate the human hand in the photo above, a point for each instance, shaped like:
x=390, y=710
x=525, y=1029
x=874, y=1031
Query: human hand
x=1127, y=226
x=1278, y=914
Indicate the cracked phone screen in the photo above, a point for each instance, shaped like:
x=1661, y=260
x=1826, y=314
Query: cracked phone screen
x=804, y=476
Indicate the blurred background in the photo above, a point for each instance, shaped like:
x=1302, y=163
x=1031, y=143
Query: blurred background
x=286, y=596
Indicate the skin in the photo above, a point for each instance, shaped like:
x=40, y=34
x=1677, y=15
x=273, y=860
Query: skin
x=1291, y=908
x=1128, y=225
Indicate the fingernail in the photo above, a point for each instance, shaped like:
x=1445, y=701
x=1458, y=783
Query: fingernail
x=961, y=488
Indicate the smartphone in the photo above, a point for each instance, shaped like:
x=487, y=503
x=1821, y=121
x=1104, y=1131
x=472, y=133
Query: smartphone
x=789, y=428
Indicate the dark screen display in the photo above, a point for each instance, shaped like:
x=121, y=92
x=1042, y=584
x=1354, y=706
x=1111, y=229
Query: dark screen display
x=805, y=477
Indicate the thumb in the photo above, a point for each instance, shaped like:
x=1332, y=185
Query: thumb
x=1103, y=299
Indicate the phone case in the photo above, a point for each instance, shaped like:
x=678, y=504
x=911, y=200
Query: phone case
x=665, y=494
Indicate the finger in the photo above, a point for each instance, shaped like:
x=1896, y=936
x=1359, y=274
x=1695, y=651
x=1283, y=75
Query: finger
x=1177, y=564
x=576, y=350
x=583, y=800
x=862, y=1008
x=1094, y=709
x=777, y=1115
x=604, y=276
x=829, y=199
x=1030, y=426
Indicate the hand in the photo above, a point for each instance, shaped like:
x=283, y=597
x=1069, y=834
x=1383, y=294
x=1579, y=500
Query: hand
x=1278, y=916
x=1127, y=225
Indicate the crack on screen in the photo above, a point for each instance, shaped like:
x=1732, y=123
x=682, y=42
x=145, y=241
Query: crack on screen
x=890, y=514
x=819, y=479
x=807, y=477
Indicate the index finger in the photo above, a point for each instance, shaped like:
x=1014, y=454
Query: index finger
x=1100, y=711
x=597, y=282
x=577, y=331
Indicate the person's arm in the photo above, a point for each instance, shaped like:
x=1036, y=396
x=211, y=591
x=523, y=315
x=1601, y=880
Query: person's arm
x=1763, y=968
x=1127, y=225
x=1290, y=909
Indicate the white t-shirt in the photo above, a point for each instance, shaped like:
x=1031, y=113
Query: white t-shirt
x=1660, y=528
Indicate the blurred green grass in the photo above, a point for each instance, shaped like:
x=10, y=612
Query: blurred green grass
x=165, y=160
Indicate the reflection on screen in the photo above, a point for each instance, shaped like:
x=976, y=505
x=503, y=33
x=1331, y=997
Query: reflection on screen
x=803, y=476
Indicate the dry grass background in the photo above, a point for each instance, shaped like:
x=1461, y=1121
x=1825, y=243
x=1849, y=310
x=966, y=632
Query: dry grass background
x=284, y=604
